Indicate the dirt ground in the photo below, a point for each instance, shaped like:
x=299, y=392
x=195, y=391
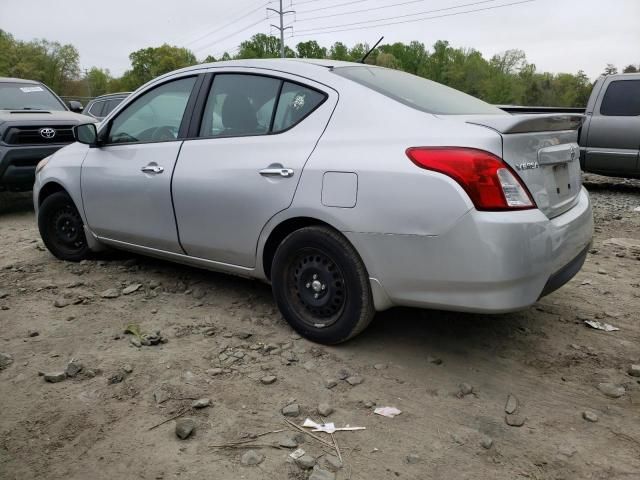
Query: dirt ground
x=224, y=335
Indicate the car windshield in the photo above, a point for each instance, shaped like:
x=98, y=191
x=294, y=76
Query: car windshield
x=417, y=92
x=27, y=96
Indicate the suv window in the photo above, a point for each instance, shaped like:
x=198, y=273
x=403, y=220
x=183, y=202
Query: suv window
x=239, y=105
x=155, y=116
x=417, y=92
x=96, y=108
x=111, y=104
x=295, y=103
x=622, y=98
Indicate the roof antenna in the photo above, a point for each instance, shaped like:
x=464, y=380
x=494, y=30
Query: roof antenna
x=369, y=52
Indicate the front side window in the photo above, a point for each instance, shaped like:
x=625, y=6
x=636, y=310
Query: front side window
x=622, y=99
x=155, y=116
x=239, y=105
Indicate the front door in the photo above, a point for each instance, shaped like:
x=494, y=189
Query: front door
x=256, y=133
x=126, y=182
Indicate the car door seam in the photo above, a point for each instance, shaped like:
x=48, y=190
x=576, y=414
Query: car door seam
x=173, y=204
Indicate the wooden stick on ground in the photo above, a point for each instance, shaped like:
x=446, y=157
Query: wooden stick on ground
x=324, y=442
x=182, y=412
x=335, y=443
x=246, y=440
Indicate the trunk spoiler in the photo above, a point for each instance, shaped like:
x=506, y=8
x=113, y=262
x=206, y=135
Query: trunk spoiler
x=527, y=123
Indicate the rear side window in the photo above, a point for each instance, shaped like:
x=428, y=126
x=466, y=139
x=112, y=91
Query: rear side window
x=110, y=105
x=621, y=99
x=295, y=103
x=417, y=92
x=239, y=105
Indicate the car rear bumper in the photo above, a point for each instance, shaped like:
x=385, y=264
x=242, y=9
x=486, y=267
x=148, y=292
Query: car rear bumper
x=18, y=165
x=487, y=262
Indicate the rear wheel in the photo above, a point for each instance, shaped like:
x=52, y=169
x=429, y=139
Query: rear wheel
x=62, y=229
x=321, y=285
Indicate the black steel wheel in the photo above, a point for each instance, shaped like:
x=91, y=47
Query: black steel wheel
x=62, y=229
x=321, y=285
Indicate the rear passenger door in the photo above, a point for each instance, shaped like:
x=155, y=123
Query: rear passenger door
x=613, y=141
x=244, y=160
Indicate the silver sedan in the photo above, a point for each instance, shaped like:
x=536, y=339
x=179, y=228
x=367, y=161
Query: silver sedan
x=350, y=188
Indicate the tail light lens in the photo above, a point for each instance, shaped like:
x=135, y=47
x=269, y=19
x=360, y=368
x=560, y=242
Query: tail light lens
x=489, y=181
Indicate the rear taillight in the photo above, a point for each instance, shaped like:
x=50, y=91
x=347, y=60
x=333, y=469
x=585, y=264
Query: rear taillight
x=488, y=181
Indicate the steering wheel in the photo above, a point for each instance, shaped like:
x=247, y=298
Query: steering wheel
x=164, y=133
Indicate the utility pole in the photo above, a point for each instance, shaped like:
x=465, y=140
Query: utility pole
x=281, y=13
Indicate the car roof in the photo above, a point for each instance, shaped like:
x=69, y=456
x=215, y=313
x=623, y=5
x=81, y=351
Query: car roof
x=18, y=80
x=109, y=95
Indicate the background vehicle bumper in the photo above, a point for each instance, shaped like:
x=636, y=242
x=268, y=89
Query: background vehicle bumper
x=18, y=165
x=487, y=262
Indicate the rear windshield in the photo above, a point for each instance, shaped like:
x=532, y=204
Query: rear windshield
x=417, y=92
x=27, y=96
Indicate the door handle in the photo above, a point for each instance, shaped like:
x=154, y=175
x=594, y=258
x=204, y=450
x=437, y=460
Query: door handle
x=152, y=169
x=279, y=171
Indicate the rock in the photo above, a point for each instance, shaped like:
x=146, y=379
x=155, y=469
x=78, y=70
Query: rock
x=634, y=370
x=514, y=420
x=288, y=441
x=332, y=462
x=135, y=341
x=590, y=416
x=127, y=368
x=3, y=294
x=465, y=389
x=134, y=287
x=251, y=458
x=567, y=450
x=62, y=302
x=201, y=403
x=55, y=377
x=380, y=366
x=308, y=366
x=214, y=371
x=292, y=410
x=413, y=458
x=434, y=360
x=321, y=474
x=161, y=396
x=330, y=383
x=343, y=374
x=268, y=379
x=611, y=390
x=110, y=293
x=306, y=461
x=117, y=377
x=325, y=409
x=185, y=427
x=73, y=368
x=486, y=442
x=354, y=380
x=33, y=333
x=512, y=404
x=5, y=360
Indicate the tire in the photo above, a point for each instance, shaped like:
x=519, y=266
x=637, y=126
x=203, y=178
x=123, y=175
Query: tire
x=321, y=285
x=62, y=229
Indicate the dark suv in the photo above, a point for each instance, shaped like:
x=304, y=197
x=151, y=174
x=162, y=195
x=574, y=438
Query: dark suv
x=34, y=123
x=101, y=106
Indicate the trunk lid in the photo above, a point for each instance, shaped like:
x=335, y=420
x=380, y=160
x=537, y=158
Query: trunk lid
x=543, y=151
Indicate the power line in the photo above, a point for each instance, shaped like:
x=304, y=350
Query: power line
x=228, y=24
x=391, y=6
x=222, y=39
x=337, y=5
x=330, y=29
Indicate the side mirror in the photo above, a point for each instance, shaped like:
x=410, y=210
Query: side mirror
x=86, y=133
x=75, y=106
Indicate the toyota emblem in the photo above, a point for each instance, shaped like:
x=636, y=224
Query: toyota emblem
x=47, y=133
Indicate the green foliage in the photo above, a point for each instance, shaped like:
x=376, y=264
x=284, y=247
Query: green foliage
x=505, y=78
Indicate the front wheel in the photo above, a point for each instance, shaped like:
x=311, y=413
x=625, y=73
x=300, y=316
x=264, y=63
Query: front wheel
x=321, y=285
x=62, y=229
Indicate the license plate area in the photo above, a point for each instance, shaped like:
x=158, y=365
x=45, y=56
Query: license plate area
x=562, y=179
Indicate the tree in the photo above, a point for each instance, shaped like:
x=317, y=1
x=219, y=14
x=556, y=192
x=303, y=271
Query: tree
x=610, y=69
x=631, y=69
x=310, y=49
x=387, y=60
x=148, y=63
x=97, y=81
x=260, y=46
x=339, y=51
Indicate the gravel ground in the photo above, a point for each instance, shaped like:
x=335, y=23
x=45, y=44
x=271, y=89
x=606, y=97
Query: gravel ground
x=220, y=338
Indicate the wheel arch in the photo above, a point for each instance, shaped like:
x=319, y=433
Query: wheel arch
x=49, y=189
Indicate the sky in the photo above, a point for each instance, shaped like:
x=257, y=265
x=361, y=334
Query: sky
x=556, y=35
